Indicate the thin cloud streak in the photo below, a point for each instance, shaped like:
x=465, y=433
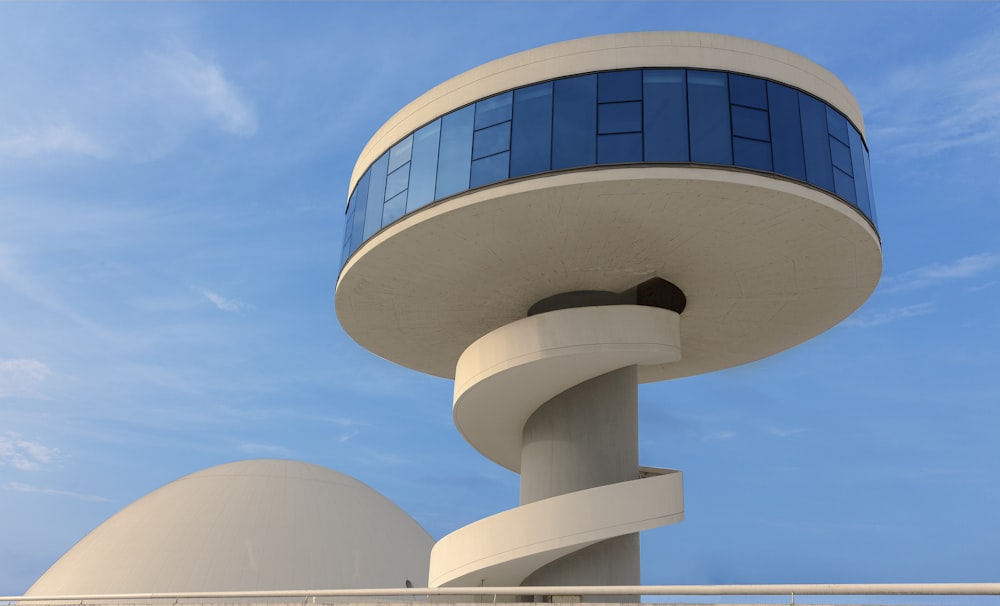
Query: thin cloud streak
x=719, y=436
x=27, y=488
x=268, y=450
x=953, y=103
x=223, y=303
x=929, y=275
x=204, y=82
x=56, y=139
x=25, y=455
x=138, y=108
x=892, y=315
x=20, y=377
x=785, y=433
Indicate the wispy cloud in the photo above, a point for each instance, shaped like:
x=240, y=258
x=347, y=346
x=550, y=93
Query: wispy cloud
x=719, y=436
x=52, y=139
x=22, y=377
x=892, y=315
x=929, y=275
x=933, y=107
x=785, y=433
x=268, y=450
x=19, y=487
x=347, y=435
x=19, y=453
x=138, y=107
x=204, y=82
x=223, y=303
x=25, y=283
x=383, y=458
x=981, y=287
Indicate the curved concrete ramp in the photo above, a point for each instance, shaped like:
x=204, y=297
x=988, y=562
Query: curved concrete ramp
x=502, y=379
x=505, y=548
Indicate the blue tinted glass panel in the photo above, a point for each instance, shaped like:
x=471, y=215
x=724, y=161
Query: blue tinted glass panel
x=376, y=196
x=873, y=215
x=574, y=122
x=664, y=109
x=860, y=174
x=708, y=109
x=396, y=182
x=492, y=140
x=619, y=117
x=344, y=253
x=843, y=184
x=816, y=142
x=394, y=208
x=361, y=191
x=455, y=155
x=490, y=170
x=423, y=166
x=493, y=110
x=348, y=226
x=786, y=131
x=613, y=149
x=744, y=90
x=841, y=156
x=837, y=124
x=400, y=153
x=750, y=123
x=752, y=153
x=531, y=131
x=619, y=86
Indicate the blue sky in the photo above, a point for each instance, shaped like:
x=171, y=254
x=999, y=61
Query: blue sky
x=172, y=185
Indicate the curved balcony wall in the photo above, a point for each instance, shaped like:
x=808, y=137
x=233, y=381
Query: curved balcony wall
x=634, y=116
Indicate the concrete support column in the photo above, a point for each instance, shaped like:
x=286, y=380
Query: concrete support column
x=585, y=437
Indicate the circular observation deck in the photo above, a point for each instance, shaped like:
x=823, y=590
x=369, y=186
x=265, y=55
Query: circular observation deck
x=733, y=169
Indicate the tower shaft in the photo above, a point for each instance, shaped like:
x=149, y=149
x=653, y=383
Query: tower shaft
x=585, y=437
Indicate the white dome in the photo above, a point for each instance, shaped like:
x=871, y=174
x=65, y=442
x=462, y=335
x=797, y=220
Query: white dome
x=245, y=526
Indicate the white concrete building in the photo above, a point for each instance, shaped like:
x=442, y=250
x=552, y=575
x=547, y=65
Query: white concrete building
x=554, y=227
x=549, y=230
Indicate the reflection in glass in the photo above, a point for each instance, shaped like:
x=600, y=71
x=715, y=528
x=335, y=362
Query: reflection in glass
x=665, y=123
x=748, y=91
x=841, y=156
x=456, y=152
x=816, y=142
x=837, y=125
x=873, y=215
x=574, y=124
x=619, y=117
x=400, y=153
x=531, y=132
x=613, y=149
x=491, y=140
x=490, y=169
x=396, y=182
x=708, y=103
x=423, y=166
x=750, y=123
x=394, y=208
x=844, y=186
x=786, y=131
x=858, y=162
x=376, y=196
x=628, y=116
x=751, y=153
x=494, y=110
x=361, y=191
x=623, y=85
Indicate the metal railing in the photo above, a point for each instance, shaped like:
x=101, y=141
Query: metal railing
x=568, y=593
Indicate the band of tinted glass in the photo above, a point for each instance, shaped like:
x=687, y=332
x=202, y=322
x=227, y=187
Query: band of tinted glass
x=615, y=117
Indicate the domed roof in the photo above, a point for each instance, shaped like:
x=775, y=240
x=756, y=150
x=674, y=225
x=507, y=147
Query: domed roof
x=245, y=526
